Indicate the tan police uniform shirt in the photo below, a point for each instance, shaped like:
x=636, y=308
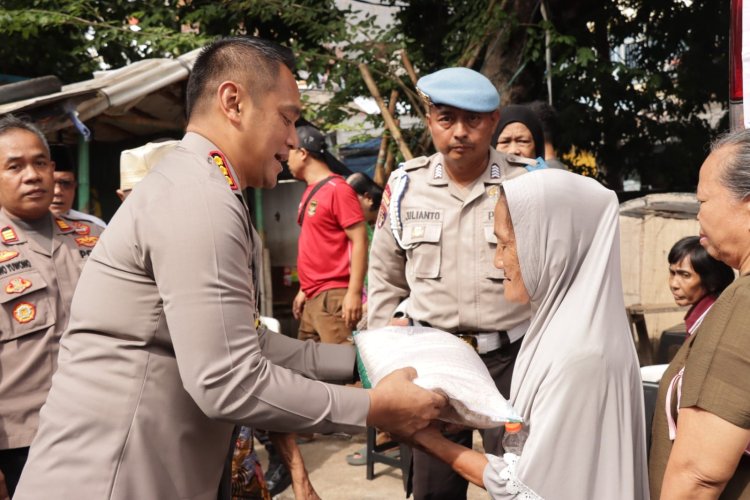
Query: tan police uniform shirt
x=447, y=272
x=162, y=356
x=36, y=288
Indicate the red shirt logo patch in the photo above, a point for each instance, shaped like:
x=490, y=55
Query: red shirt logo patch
x=17, y=285
x=24, y=312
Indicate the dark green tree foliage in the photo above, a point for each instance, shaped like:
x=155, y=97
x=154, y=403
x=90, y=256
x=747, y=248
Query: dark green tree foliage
x=636, y=82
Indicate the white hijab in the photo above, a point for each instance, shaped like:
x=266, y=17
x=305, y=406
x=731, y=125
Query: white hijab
x=576, y=381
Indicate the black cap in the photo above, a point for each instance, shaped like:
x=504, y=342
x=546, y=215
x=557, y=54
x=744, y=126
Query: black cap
x=313, y=140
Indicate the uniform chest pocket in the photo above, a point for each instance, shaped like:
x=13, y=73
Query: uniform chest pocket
x=26, y=305
x=424, y=256
x=490, y=270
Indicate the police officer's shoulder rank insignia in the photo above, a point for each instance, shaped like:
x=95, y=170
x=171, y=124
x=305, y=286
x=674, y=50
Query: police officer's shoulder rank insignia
x=17, y=285
x=8, y=235
x=81, y=228
x=384, y=204
x=7, y=255
x=87, y=241
x=24, y=312
x=63, y=226
x=312, y=207
x=221, y=162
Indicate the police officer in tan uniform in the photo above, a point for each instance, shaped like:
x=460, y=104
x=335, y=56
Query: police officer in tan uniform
x=434, y=244
x=41, y=257
x=165, y=353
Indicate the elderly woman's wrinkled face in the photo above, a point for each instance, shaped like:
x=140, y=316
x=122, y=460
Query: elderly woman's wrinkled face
x=506, y=256
x=684, y=283
x=516, y=139
x=724, y=220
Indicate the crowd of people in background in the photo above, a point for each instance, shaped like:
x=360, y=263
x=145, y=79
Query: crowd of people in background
x=165, y=373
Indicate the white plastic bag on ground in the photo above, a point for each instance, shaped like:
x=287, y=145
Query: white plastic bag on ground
x=444, y=363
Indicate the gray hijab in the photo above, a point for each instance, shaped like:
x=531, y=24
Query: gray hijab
x=576, y=380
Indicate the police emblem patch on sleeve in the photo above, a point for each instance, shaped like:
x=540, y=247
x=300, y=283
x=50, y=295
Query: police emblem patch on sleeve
x=384, y=204
x=7, y=255
x=24, y=312
x=87, y=241
x=312, y=207
x=17, y=285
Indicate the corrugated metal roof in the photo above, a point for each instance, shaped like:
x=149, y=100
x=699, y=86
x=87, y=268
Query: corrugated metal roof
x=112, y=92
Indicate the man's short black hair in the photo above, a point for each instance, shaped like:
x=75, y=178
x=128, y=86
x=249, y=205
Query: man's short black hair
x=9, y=122
x=63, y=158
x=249, y=60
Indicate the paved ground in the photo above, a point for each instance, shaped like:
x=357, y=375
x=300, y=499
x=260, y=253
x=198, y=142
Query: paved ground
x=334, y=479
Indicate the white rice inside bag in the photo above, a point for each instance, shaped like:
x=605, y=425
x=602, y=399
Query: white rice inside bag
x=444, y=363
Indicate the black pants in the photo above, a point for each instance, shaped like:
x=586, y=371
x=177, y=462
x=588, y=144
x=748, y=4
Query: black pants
x=433, y=479
x=11, y=463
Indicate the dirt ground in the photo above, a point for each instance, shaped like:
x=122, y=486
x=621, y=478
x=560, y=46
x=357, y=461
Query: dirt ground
x=334, y=479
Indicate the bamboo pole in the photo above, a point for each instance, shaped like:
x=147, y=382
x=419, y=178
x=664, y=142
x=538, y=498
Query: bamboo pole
x=380, y=176
x=387, y=116
x=408, y=66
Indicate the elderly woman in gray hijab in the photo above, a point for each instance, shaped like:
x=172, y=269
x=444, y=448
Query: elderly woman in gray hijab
x=576, y=381
x=701, y=427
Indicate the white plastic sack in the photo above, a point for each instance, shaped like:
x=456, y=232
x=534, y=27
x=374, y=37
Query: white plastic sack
x=444, y=363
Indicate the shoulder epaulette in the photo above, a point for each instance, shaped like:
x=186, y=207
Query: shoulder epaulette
x=416, y=163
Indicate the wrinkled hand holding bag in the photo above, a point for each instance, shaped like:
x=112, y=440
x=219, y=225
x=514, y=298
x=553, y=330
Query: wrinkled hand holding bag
x=444, y=363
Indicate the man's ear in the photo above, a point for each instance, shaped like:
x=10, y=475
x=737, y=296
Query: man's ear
x=54, y=165
x=229, y=94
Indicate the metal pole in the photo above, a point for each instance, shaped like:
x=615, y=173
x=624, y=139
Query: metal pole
x=547, y=53
x=84, y=186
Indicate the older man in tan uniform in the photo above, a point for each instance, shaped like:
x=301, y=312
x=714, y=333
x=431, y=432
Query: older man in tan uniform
x=164, y=352
x=434, y=244
x=41, y=257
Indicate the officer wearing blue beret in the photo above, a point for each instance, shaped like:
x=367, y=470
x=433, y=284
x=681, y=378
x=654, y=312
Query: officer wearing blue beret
x=434, y=244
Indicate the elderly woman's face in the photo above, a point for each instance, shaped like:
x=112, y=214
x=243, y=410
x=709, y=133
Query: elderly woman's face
x=684, y=283
x=724, y=220
x=506, y=256
x=516, y=139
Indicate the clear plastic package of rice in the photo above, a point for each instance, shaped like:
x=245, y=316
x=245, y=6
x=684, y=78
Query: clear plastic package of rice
x=444, y=363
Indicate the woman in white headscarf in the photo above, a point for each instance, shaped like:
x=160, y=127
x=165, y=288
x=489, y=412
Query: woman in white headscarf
x=576, y=381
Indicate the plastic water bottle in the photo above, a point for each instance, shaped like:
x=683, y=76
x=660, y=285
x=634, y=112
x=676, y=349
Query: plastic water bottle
x=514, y=438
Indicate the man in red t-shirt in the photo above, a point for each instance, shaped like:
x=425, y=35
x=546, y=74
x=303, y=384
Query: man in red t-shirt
x=332, y=255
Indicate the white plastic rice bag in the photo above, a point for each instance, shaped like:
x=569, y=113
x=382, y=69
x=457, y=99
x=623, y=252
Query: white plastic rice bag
x=444, y=363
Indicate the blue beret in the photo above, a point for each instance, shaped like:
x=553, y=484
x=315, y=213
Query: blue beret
x=461, y=88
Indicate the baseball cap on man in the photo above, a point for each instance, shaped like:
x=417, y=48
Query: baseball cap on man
x=461, y=88
x=313, y=140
